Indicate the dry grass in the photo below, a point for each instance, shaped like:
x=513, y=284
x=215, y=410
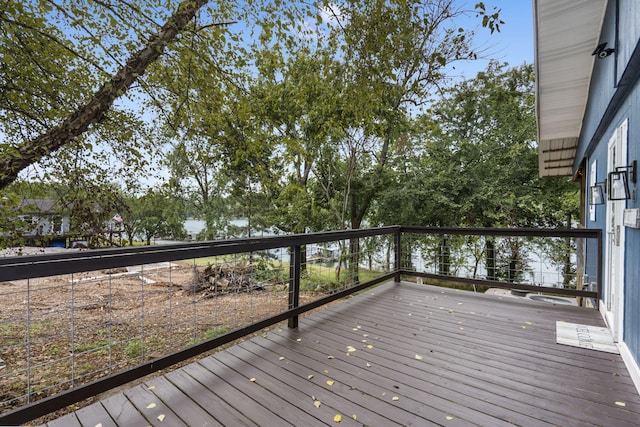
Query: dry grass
x=88, y=325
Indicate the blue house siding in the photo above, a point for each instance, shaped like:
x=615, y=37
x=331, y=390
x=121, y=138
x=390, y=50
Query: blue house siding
x=628, y=33
x=614, y=96
x=632, y=254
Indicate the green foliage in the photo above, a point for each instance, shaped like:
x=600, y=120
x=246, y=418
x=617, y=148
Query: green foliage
x=474, y=161
x=157, y=214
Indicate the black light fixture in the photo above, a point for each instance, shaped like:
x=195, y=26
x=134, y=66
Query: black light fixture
x=597, y=193
x=619, y=181
x=602, y=51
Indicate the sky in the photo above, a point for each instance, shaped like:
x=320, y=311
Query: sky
x=514, y=42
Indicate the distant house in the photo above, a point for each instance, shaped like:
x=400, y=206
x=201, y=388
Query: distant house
x=43, y=217
x=588, y=106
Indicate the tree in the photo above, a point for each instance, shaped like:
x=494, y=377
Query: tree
x=61, y=118
x=478, y=166
x=158, y=214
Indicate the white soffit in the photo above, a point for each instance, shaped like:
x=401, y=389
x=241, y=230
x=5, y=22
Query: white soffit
x=566, y=33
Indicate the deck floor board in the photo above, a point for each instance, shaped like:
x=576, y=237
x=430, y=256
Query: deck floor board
x=398, y=354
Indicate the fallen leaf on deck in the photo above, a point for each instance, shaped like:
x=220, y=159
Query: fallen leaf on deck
x=281, y=358
x=354, y=417
x=350, y=349
x=418, y=357
x=528, y=323
x=253, y=380
x=98, y=425
x=310, y=376
x=151, y=405
x=330, y=382
x=151, y=387
x=330, y=357
x=161, y=417
x=317, y=403
x=409, y=314
x=369, y=346
x=326, y=371
x=394, y=398
x=368, y=365
x=524, y=327
x=449, y=417
x=337, y=418
x=299, y=339
x=621, y=404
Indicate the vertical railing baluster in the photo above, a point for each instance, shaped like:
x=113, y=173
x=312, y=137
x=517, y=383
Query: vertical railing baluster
x=294, y=283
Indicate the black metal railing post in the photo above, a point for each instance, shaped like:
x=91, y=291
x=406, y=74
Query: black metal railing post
x=294, y=283
x=398, y=255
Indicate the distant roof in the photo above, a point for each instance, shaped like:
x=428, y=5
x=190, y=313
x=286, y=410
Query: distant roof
x=566, y=34
x=40, y=205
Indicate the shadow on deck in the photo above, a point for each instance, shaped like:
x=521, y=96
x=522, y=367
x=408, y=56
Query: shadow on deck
x=402, y=354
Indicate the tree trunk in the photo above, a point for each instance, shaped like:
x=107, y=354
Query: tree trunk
x=444, y=256
x=567, y=273
x=491, y=258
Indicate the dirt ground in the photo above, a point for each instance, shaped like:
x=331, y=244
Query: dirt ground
x=87, y=325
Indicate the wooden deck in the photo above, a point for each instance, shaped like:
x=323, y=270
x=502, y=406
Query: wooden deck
x=396, y=355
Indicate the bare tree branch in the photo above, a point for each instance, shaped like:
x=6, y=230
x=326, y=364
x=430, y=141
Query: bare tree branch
x=15, y=160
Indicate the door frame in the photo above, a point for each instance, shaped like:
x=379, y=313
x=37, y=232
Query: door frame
x=613, y=307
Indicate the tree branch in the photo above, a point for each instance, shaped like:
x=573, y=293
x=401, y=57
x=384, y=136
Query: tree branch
x=13, y=161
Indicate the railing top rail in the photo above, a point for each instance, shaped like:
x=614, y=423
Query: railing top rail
x=520, y=232
x=32, y=266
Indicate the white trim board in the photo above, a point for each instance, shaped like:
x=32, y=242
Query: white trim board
x=585, y=336
x=632, y=365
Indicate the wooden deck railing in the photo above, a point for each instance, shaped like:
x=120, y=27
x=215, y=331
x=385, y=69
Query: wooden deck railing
x=405, y=242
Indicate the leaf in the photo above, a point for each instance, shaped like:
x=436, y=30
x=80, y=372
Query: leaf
x=337, y=418
x=161, y=417
x=151, y=387
x=98, y=425
x=317, y=403
x=621, y=403
x=330, y=383
x=350, y=349
x=368, y=365
x=418, y=357
x=369, y=346
x=395, y=398
x=310, y=376
x=151, y=405
x=355, y=418
x=330, y=357
x=281, y=358
x=253, y=380
x=449, y=417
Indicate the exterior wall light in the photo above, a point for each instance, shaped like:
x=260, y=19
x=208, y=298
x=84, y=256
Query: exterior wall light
x=597, y=193
x=619, y=181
